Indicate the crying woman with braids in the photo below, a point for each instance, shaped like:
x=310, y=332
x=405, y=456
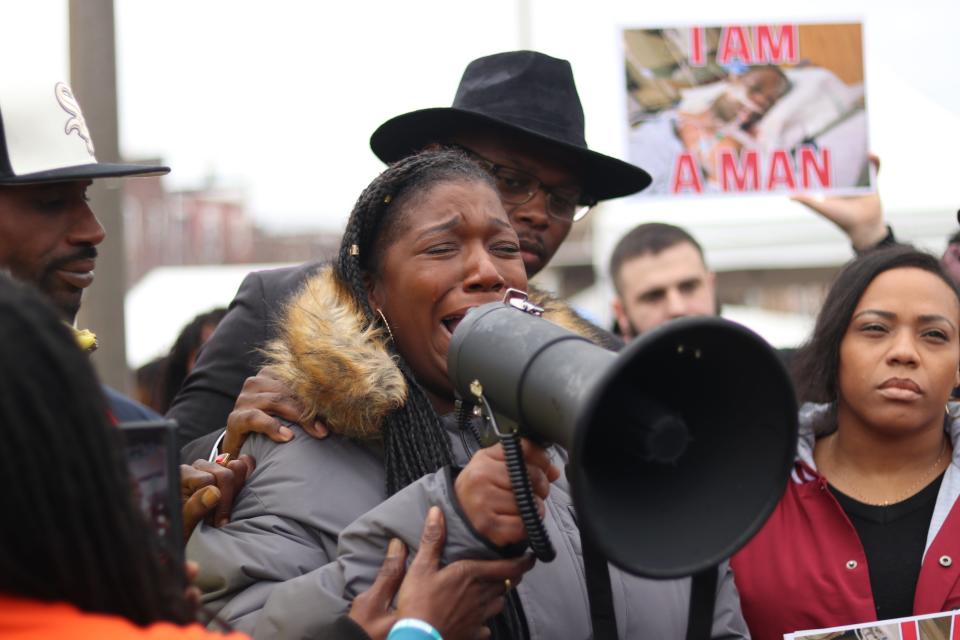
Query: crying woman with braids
x=363, y=348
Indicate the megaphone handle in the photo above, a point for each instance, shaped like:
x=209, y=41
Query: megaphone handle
x=537, y=535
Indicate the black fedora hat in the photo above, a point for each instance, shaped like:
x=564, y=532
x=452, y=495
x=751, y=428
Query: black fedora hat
x=524, y=94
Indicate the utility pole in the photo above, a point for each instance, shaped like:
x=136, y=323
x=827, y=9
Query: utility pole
x=93, y=76
x=524, y=37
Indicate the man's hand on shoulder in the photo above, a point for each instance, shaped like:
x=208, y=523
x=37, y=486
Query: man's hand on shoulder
x=262, y=406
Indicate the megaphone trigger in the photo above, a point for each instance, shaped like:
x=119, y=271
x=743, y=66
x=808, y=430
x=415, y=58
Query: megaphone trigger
x=537, y=536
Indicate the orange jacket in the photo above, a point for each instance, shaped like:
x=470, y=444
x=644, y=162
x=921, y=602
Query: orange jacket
x=22, y=619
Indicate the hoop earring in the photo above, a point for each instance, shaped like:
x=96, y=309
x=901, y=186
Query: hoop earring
x=386, y=324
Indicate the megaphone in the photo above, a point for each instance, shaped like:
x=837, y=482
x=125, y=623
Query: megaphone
x=680, y=445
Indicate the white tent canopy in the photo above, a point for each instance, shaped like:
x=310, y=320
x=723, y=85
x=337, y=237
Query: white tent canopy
x=166, y=299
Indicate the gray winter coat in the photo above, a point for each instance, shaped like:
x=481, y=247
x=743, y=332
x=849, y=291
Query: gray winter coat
x=311, y=527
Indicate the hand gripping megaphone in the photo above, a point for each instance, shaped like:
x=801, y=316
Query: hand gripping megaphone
x=680, y=445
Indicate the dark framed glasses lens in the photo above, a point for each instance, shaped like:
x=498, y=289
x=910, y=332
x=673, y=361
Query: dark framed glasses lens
x=515, y=185
x=564, y=204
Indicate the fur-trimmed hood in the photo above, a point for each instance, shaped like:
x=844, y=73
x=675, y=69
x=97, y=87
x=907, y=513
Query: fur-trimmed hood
x=338, y=365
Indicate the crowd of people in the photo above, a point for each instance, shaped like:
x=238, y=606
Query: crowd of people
x=333, y=485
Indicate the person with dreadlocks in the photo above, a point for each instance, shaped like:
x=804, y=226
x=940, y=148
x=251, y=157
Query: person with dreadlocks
x=363, y=347
x=77, y=558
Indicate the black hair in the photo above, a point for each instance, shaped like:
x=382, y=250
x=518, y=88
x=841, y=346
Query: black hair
x=817, y=362
x=72, y=531
x=175, y=368
x=650, y=238
x=149, y=378
x=414, y=442
x=955, y=238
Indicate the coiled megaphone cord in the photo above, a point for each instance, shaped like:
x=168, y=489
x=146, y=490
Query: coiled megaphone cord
x=537, y=535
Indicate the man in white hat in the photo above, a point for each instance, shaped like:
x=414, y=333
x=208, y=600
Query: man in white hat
x=48, y=233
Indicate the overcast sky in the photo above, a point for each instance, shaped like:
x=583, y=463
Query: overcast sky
x=280, y=97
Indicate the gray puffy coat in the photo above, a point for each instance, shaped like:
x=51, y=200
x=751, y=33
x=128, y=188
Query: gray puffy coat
x=311, y=527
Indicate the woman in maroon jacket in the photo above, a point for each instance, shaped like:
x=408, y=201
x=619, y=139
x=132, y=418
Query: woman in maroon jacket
x=869, y=526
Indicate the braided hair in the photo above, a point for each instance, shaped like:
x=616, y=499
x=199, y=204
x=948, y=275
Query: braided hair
x=414, y=442
x=73, y=531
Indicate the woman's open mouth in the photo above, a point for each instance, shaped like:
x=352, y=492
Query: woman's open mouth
x=451, y=322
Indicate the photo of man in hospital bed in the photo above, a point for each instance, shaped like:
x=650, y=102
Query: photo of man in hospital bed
x=729, y=126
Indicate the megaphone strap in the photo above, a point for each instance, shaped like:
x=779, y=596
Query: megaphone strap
x=703, y=599
x=603, y=618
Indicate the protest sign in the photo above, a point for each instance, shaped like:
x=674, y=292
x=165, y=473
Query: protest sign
x=763, y=108
x=933, y=626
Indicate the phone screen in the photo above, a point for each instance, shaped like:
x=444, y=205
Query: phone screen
x=153, y=461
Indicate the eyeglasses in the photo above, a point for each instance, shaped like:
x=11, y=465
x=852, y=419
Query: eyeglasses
x=516, y=187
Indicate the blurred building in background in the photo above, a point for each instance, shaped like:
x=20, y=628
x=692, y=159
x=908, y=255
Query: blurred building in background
x=210, y=225
x=188, y=251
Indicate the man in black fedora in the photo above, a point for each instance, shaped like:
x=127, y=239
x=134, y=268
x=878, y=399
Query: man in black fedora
x=519, y=114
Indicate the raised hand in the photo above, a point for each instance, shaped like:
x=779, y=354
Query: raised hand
x=860, y=217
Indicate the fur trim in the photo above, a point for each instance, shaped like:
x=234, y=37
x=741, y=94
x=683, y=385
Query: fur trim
x=339, y=367
x=334, y=362
x=559, y=312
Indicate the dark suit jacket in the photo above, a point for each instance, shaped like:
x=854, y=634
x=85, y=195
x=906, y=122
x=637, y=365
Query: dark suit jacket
x=232, y=355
